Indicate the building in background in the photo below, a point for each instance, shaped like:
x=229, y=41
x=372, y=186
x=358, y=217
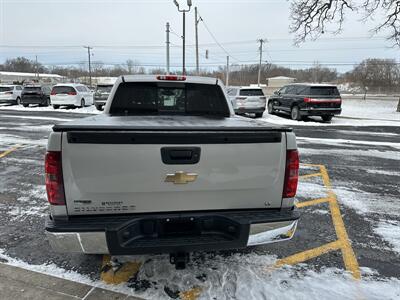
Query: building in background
x=275, y=83
x=19, y=77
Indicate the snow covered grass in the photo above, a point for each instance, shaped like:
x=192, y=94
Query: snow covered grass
x=370, y=109
x=354, y=113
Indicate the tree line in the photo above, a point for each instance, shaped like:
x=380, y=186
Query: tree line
x=372, y=75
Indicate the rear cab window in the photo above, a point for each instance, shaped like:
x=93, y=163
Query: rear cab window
x=251, y=92
x=148, y=98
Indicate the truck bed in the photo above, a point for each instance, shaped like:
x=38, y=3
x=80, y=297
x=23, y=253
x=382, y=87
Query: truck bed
x=106, y=122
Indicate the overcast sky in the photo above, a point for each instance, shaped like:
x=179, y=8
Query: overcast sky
x=56, y=30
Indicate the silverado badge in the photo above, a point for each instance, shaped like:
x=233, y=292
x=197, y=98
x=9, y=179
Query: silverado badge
x=181, y=177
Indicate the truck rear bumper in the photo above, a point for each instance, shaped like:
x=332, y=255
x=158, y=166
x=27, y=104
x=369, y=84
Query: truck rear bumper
x=320, y=111
x=171, y=232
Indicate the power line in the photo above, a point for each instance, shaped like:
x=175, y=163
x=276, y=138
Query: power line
x=215, y=39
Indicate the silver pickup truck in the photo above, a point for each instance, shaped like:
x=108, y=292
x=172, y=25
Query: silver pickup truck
x=169, y=168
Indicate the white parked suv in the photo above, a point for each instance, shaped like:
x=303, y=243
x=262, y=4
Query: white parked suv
x=10, y=94
x=247, y=100
x=71, y=94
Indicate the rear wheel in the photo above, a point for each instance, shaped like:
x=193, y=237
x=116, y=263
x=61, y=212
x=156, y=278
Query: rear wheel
x=327, y=118
x=18, y=101
x=83, y=103
x=295, y=113
x=259, y=115
x=99, y=107
x=271, y=109
x=56, y=106
x=25, y=105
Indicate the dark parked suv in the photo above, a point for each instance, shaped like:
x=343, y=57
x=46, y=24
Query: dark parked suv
x=36, y=94
x=301, y=100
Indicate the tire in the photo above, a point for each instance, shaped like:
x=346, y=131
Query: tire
x=82, y=103
x=18, y=101
x=326, y=118
x=56, y=106
x=258, y=115
x=295, y=113
x=99, y=107
x=271, y=109
x=47, y=103
x=25, y=105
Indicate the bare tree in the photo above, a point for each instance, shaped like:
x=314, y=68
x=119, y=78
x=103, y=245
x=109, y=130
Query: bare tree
x=310, y=18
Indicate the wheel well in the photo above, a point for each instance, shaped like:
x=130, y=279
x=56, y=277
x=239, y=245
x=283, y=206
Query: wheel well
x=294, y=104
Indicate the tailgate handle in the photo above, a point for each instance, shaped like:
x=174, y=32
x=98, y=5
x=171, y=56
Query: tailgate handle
x=180, y=155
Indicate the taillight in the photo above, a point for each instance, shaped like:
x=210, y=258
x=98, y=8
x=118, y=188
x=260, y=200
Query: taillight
x=291, y=174
x=72, y=93
x=171, y=77
x=9, y=93
x=312, y=100
x=54, y=178
x=53, y=93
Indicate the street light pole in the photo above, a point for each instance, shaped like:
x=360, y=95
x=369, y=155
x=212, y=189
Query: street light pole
x=183, y=11
x=90, y=66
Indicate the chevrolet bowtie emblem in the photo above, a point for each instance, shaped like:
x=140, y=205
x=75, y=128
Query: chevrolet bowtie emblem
x=181, y=177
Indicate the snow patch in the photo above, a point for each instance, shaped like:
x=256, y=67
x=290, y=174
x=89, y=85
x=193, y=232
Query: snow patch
x=389, y=230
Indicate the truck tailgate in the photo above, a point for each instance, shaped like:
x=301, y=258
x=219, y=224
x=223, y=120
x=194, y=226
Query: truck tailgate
x=115, y=172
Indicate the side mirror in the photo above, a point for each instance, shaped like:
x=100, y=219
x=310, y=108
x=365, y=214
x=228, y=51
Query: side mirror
x=276, y=93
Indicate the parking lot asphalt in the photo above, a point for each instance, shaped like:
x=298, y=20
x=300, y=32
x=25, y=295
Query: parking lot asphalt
x=348, y=195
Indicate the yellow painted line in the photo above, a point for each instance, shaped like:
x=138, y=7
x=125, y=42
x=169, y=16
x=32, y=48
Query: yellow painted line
x=310, y=175
x=311, y=165
x=349, y=257
x=312, y=202
x=123, y=274
x=191, y=294
x=9, y=151
x=308, y=254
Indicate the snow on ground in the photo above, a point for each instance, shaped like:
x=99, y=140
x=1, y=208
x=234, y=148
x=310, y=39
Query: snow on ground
x=239, y=276
x=390, y=231
x=86, y=110
x=15, y=139
x=364, y=202
x=392, y=155
x=342, y=142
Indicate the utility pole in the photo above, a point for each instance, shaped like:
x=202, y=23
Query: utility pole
x=183, y=11
x=167, y=47
x=227, y=71
x=196, y=23
x=36, y=68
x=261, y=41
x=90, y=66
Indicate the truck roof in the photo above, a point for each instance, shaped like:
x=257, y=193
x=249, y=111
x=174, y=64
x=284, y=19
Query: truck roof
x=158, y=78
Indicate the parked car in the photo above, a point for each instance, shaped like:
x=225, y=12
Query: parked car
x=71, y=94
x=10, y=94
x=301, y=100
x=247, y=100
x=101, y=94
x=35, y=94
x=169, y=168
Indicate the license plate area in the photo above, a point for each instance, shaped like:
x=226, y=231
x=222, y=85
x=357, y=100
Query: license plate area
x=170, y=234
